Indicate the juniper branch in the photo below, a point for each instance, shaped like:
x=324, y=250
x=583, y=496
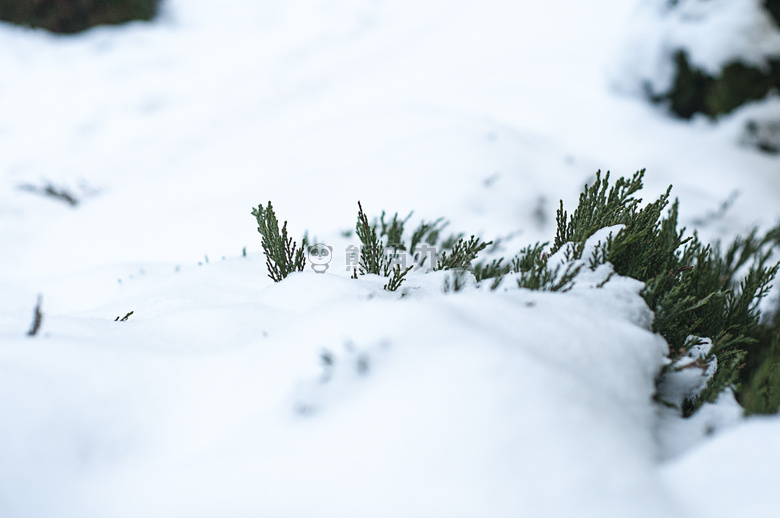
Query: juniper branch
x=372, y=253
x=461, y=254
x=283, y=256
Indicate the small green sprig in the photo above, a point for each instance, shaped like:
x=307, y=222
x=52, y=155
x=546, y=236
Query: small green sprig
x=283, y=255
x=462, y=253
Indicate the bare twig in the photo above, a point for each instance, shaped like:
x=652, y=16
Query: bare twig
x=37, y=318
x=52, y=191
x=124, y=318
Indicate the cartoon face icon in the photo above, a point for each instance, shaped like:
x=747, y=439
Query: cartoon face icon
x=319, y=257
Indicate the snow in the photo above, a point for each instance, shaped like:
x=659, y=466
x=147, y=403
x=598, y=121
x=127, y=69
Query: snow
x=688, y=375
x=677, y=436
x=225, y=394
x=706, y=477
x=442, y=404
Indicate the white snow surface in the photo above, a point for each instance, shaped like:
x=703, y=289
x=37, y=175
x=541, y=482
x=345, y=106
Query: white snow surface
x=213, y=401
x=214, y=397
x=739, y=454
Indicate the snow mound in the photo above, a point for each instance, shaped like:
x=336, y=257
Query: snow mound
x=705, y=479
x=323, y=395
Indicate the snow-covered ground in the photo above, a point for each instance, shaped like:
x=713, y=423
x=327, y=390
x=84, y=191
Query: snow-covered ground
x=225, y=394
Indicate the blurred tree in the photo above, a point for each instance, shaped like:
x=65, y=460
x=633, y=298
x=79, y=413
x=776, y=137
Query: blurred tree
x=695, y=90
x=773, y=6
x=71, y=16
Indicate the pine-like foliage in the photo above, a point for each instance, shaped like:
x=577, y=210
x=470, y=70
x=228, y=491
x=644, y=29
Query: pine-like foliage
x=397, y=276
x=393, y=230
x=427, y=233
x=532, y=269
x=705, y=292
x=455, y=282
x=598, y=209
x=379, y=258
x=461, y=254
x=283, y=256
x=492, y=270
x=383, y=244
x=372, y=254
x=535, y=274
x=645, y=248
x=694, y=289
x=760, y=378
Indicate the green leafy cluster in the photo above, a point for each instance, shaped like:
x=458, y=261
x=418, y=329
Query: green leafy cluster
x=646, y=246
x=283, y=255
x=718, y=296
x=383, y=242
x=760, y=378
x=455, y=282
x=495, y=269
x=372, y=254
x=397, y=276
x=695, y=290
x=71, y=16
x=534, y=273
x=462, y=253
x=380, y=257
x=531, y=269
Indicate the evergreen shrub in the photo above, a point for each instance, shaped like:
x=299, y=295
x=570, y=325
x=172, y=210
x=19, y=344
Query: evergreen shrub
x=72, y=16
x=283, y=255
x=773, y=8
x=698, y=292
x=695, y=90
